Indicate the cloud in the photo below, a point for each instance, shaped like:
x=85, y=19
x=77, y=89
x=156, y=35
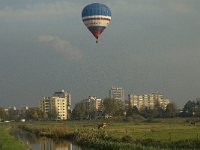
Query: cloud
x=48, y=9
x=62, y=46
x=179, y=6
x=126, y=7
x=39, y=10
x=143, y=6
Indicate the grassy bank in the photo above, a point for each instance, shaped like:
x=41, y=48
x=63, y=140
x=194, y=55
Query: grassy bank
x=8, y=142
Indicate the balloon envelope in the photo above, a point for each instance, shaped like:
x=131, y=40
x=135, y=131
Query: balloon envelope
x=96, y=18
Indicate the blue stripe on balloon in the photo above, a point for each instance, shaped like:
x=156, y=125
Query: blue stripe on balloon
x=96, y=9
x=97, y=27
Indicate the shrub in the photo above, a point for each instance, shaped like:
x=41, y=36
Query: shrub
x=84, y=135
x=127, y=138
x=137, y=117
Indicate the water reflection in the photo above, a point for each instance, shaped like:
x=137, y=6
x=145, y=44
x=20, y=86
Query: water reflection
x=49, y=144
x=43, y=143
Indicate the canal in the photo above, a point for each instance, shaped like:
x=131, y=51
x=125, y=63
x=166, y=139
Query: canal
x=44, y=143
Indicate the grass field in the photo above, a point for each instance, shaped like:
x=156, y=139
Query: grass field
x=8, y=142
x=164, y=130
x=158, y=129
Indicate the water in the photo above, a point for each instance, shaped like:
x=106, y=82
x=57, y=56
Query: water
x=43, y=143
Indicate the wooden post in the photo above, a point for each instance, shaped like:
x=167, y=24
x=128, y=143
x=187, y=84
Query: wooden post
x=170, y=137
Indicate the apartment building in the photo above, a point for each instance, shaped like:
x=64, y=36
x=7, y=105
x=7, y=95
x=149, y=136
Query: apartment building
x=60, y=103
x=45, y=104
x=117, y=93
x=148, y=100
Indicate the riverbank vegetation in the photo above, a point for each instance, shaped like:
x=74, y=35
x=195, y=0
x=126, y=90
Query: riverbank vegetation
x=103, y=141
x=177, y=133
x=8, y=142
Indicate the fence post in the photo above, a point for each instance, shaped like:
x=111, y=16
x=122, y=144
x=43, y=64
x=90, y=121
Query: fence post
x=170, y=136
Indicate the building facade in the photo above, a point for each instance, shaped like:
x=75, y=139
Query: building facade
x=93, y=107
x=45, y=104
x=148, y=100
x=117, y=93
x=59, y=103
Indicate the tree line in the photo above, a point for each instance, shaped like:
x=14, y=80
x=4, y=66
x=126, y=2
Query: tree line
x=109, y=108
x=29, y=114
x=116, y=108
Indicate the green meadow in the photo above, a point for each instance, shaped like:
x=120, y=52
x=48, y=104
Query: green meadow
x=8, y=142
x=162, y=131
x=175, y=129
x=157, y=129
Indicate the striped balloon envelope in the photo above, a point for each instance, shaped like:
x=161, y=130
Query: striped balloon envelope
x=96, y=18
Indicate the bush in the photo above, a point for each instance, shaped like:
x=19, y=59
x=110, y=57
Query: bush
x=84, y=135
x=137, y=117
x=127, y=138
x=128, y=119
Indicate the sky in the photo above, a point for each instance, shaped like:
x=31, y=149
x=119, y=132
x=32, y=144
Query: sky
x=149, y=46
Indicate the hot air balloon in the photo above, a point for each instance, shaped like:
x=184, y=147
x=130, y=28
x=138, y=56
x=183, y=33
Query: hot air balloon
x=96, y=18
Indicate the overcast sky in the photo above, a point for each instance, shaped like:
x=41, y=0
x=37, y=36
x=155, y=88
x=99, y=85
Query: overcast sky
x=149, y=46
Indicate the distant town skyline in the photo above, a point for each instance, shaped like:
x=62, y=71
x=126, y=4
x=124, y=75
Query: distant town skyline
x=115, y=92
x=149, y=46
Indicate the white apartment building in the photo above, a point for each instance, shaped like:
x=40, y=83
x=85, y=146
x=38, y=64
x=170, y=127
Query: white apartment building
x=117, y=93
x=65, y=95
x=148, y=100
x=60, y=103
x=92, y=103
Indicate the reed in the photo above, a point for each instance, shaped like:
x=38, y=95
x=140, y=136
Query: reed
x=53, y=131
x=102, y=141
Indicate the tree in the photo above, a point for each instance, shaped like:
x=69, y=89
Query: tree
x=149, y=113
x=3, y=114
x=79, y=111
x=189, y=109
x=130, y=111
x=52, y=115
x=171, y=110
x=45, y=116
x=113, y=107
x=160, y=112
x=197, y=108
x=12, y=114
x=34, y=114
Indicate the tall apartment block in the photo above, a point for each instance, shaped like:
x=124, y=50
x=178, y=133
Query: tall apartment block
x=148, y=100
x=117, y=93
x=60, y=103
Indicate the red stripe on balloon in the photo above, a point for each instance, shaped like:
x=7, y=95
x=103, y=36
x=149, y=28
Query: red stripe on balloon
x=96, y=19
